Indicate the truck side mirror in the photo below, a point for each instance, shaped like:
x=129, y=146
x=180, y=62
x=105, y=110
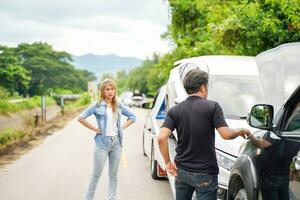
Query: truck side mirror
x=261, y=116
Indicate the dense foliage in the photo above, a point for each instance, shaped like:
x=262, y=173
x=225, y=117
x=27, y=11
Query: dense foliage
x=228, y=27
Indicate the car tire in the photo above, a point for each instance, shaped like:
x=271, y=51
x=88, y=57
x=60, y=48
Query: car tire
x=241, y=195
x=144, y=152
x=154, y=165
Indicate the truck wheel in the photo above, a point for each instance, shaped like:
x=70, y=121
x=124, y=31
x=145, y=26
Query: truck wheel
x=154, y=167
x=241, y=195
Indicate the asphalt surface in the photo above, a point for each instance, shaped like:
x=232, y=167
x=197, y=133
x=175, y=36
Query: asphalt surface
x=59, y=168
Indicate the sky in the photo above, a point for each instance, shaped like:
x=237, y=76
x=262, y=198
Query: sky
x=130, y=28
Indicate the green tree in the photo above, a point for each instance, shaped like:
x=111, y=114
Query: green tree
x=14, y=77
x=51, y=69
x=139, y=77
x=244, y=27
x=122, y=81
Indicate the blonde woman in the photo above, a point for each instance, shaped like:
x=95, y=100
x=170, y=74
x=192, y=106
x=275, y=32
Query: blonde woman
x=108, y=137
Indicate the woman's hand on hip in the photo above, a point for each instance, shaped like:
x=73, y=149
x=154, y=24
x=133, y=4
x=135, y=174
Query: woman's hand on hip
x=98, y=131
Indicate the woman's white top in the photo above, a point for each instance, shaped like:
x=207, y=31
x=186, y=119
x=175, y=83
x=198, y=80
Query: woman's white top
x=111, y=127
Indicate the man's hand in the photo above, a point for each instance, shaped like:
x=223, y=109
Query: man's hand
x=229, y=134
x=162, y=140
x=260, y=143
x=171, y=168
x=244, y=133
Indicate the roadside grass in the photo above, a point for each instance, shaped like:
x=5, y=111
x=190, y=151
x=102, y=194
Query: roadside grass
x=84, y=99
x=7, y=107
x=11, y=134
x=28, y=119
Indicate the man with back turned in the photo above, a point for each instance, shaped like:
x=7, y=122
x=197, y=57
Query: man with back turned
x=195, y=119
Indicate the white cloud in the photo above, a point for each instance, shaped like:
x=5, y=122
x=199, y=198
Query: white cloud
x=17, y=30
x=139, y=42
x=126, y=28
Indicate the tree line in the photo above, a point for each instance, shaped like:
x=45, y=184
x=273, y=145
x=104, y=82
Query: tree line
x=36, y=69
x=227, y=27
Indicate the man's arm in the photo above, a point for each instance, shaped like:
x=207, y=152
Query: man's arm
x=261, y=143
x=163, y=143
x=229, y=134
x=221, y=125
x=164, y=150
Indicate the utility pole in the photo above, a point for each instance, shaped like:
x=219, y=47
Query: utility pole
x=62, y=104
x=43, y=108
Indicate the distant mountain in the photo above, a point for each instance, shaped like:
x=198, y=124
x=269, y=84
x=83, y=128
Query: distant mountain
x=101, y=64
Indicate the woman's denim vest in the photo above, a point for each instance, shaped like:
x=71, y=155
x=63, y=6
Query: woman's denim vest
x=99, y=110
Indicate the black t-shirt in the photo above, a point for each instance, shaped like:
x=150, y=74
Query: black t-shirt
x=195, y=120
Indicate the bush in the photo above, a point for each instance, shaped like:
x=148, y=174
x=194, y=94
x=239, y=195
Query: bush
x=84, y=99
x=28, y=104
x=60, y=91
x=3, y=93
x=6, y=107
x=10, y=134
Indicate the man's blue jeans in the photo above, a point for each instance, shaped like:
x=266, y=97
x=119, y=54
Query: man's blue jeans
x=205, y=185
x=113, y=152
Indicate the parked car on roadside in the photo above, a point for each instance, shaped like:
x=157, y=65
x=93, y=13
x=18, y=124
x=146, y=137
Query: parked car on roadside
x=126, y=98
x=154, y=120
x=138, y=99
x=247, y=172
x=280, y=74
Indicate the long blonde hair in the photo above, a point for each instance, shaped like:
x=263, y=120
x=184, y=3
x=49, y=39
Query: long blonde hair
x=104, y=84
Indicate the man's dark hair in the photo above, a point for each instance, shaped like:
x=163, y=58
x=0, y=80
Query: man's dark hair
x=194, y=79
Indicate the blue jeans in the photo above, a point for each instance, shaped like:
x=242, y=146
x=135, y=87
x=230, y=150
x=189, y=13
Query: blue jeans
x=100, y=154
x=205, y=185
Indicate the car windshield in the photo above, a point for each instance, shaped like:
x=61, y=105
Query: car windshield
x=235, y=94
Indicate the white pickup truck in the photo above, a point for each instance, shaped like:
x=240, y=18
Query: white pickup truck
x=236, y=84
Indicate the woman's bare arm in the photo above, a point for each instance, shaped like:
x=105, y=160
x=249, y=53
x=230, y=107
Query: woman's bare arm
x=127, y=123
x=85, y=123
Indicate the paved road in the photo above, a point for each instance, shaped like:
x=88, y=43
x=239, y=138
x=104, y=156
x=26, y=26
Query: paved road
x=59, y=168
